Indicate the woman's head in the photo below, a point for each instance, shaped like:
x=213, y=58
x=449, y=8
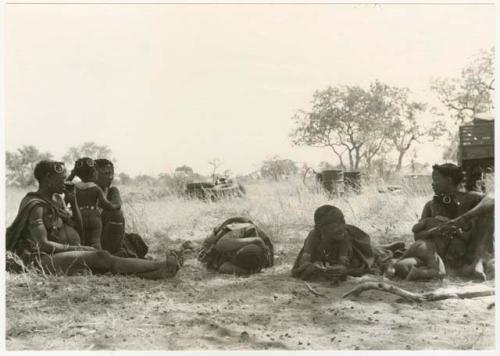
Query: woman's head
x=51, y=175
x=250, y=257
x=105, y=172
x=446, y=178
x=330, y=222
x=85, y=169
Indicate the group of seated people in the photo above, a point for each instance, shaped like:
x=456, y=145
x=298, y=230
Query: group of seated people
x=85, y=230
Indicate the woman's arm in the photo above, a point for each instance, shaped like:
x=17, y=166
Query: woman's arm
x=104, y=202
x=114, y=197
x=485, y=206
x=39, y=233
x=419, y=232
x=70, y=197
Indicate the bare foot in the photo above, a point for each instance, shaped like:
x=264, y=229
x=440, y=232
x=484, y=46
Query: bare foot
x=478, y=273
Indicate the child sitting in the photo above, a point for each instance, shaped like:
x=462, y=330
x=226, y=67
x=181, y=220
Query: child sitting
x=422, y=260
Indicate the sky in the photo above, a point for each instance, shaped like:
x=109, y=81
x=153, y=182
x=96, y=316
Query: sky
x=168, y=85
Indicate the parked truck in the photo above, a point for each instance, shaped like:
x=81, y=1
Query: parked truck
x=476, y=151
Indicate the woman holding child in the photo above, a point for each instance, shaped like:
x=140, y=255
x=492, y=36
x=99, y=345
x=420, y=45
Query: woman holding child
x=455, y=231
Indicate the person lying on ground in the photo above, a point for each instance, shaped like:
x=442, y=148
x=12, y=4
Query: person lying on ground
x=237, y=246
x=43, y=234
x=451, y=234
x=333, y=249
x=88, y=195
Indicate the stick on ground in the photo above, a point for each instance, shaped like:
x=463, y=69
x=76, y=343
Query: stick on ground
x=415, y=297
x=313, y=291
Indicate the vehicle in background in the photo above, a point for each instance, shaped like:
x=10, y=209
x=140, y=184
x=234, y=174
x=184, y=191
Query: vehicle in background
x=219, y=189
x=476, y=151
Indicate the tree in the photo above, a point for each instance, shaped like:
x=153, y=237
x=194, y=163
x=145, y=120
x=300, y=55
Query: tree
x=349, y=120
x=144, y=179
x=215, y=163
x=21, y=164
x=188, y=171
x=474, y=92
x=277, y=168
x=325, y=166
x=406, y=125
x=125, y=179
x=87, y=149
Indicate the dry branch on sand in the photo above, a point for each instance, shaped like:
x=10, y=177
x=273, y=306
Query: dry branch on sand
x=415, y=297
x=313, y=291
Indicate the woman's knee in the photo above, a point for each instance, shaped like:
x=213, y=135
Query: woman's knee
x=104, y=260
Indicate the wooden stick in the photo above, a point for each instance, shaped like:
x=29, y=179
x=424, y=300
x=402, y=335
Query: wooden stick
x=415, y=297
x=313, y=291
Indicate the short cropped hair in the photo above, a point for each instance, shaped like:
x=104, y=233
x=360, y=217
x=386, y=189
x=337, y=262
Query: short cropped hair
x=84, y=167
x=103, y=162
x=45, y=168
x=450, y=170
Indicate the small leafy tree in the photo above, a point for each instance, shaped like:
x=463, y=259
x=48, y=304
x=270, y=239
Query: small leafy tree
x=407, y=125
x=124, y=178
x=215, y=163
x=277, y=168
x=87, y=149
x=188, y=171
x=474, y=92
x=21, y=164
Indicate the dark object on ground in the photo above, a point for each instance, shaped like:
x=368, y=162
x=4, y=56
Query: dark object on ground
x=133, y=246
x=395, y=189
x=332, y=181
x=415, y=297
x=213, y=192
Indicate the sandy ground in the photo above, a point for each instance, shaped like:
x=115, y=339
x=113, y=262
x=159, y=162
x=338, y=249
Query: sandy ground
x=199, y=309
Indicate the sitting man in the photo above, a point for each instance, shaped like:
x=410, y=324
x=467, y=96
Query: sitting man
x=237, y=246
x=455, y=231
x=333, y=249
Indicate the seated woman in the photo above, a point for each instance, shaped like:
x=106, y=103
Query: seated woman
x=238, y=247
x=46, y=235
x=447, y=235
x=334, y=249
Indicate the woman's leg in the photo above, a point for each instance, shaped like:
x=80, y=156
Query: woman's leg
x=95, y=230
x=112, y=237
x=113, y=230
x=102, y=261
x=92, y=228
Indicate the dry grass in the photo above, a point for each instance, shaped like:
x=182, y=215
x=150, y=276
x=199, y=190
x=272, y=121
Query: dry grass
x=200, y=309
